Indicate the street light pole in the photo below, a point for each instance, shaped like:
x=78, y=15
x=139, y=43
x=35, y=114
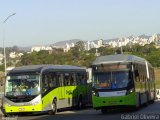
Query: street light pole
x=4, y=49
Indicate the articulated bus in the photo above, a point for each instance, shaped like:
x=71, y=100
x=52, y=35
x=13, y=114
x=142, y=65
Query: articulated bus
x=122, y=80
x=38, y=88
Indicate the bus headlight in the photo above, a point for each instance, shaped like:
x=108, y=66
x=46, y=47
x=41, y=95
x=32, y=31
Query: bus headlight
x=7, y=104
x=130, y=91
x=94, y=93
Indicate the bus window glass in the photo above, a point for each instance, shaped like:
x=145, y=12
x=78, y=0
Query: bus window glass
x=73, y=79
x=102, y=79
x=82, y=78
x=120, y=79
x=67, y=79
x=79, y=78
x=60, y=79
x=45, y=82
x=50, y=81
x=111, y=80
x=54, y=80
x=22, y=85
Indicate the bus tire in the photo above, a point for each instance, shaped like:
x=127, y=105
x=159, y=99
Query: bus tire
x=54, y=107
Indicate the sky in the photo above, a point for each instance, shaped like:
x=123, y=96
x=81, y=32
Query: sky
x=43, y=22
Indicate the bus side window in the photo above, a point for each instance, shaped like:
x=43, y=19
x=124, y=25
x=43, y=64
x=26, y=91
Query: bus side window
x=67, y=80
x=54, y=80
x=137, y=79
x=73, y=79
x=84, y=80
x=45, y=85
x=60, y=80
x=78, y=78
x=81, y=79
x=51, y=80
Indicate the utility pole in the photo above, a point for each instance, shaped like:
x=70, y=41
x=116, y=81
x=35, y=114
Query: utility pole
x=4, y=49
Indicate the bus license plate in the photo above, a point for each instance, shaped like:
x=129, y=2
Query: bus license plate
x=21, y=109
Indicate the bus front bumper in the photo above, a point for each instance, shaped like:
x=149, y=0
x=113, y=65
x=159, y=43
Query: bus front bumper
x=21, y=109
x=114, y=101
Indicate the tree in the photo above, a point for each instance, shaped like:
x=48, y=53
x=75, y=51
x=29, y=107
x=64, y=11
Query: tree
x=80, y=46
x=78, y=56
x=1, y=67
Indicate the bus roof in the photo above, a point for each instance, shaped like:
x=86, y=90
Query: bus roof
x=118, y=58
x=39, y=68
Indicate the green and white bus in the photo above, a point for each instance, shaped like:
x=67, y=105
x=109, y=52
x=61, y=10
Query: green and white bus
x=38, y=88
x=122, y=80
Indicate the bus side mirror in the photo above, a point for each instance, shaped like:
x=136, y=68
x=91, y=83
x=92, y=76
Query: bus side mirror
x=136, y=73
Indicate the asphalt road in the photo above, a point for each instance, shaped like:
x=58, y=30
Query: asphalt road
x=151, y=112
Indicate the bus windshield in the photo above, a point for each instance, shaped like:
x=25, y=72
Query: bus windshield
x=22, y=85
x=111, y=80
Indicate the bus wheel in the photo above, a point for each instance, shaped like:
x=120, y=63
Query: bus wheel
x=103, y=110
x=54, y=107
